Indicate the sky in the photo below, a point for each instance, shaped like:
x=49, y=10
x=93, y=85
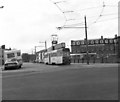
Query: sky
x=24, y=24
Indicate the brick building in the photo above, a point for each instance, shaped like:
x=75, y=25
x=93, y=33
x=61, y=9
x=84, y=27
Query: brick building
x=100, y=50
x=28, y=57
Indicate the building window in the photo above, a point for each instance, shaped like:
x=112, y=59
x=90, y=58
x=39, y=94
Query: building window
x=73, y=43
x=78, y=43
x=96, y=41
x=106, y=41
x=111, y=41
x=101, y=41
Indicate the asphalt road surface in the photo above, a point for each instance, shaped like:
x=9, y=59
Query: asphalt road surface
x=65, y=82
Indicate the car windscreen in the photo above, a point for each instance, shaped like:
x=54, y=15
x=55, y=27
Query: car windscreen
x=10, y=55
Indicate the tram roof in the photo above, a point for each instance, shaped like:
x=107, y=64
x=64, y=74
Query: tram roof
x=10, y=51
x=53, y=51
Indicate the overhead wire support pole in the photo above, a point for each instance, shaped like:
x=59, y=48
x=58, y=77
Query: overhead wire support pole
x=86, y=40
x=74, y=27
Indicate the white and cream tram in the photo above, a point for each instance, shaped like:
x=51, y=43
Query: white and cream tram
x=59, y=56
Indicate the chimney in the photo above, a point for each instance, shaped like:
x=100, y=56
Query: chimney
x=101, y=37
x=115, y=35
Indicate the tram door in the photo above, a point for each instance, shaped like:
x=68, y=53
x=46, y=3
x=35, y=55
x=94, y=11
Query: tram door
x=49, y=58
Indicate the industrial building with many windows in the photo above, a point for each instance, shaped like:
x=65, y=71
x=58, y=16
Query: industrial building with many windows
x=103, y=50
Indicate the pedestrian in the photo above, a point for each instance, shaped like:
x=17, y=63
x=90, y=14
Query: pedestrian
x=82, y=59
x=94, y=59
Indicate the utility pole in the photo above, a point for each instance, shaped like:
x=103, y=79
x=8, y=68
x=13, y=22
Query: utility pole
x=86, y=40
x=45, y=45
x=35, y=50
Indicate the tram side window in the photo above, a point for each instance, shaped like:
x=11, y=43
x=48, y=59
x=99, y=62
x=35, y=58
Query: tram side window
x=10, y=55
x=46, y=55
x=53, y=54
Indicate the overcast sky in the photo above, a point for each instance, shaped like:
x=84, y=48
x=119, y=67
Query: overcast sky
x=25, y=23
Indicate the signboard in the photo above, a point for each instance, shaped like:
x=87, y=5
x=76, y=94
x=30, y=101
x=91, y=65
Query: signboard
x=54, y=42
x=60, y=45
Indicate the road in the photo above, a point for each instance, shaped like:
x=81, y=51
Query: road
x=70, y=82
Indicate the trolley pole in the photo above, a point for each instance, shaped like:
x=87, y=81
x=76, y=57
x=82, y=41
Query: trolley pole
x=45, y=45
x=87, y=56
x=35, y=50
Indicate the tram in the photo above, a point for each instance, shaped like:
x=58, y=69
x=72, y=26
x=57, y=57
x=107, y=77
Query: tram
x=58, y=56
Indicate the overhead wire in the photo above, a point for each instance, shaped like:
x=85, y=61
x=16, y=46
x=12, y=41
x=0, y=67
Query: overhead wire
x=89, y=8
x=97, y=19
x=109, y=19
x=76, y=24
x=94, y=8
x=109, y=14
x=100, y=15
x=63, y=12
x=111, y=5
